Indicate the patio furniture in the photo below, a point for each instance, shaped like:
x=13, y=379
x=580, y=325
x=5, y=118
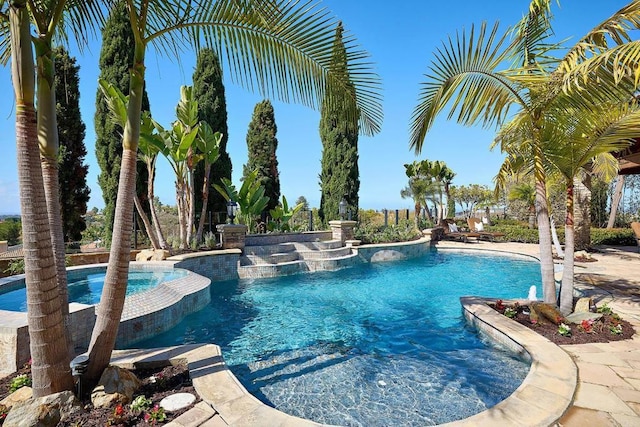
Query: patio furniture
x=451, y=232
x=477, y=226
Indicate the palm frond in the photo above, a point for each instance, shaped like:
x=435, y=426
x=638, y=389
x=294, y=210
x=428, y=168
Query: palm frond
x=575, y=141
x=287, y=56
x=529, y=47
x=5, y=37
x=464, y=72
x=615, y=29
x=58, y=18
x=610, y=67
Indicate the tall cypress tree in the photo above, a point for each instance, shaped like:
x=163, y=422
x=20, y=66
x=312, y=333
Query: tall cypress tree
x=116, y=58
x=208, y=91
x=262, y=145
x=340, y=177
x=72, y=172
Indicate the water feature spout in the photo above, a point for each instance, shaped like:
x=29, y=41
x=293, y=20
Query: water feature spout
x=532, y=293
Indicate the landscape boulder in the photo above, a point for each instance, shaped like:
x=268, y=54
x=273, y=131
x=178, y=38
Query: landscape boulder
x=116, y=385
x=46, y=411
x=152, y=255
x=20, y=395
x=543, y=311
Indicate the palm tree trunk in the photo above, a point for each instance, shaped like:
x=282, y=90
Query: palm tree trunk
x=532, y=217
x=191, y=194
x=615, y=202
x=205, y=200
x=566, y=290
x=152, y=207
x=147, y=224
x=49, y=151
x=180, y=200
x=416, y=214
x=544, y=231
x=582, y=212
x=50, y=361
x=109, y=310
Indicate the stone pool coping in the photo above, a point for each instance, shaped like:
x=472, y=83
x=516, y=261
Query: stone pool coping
x=548, y=389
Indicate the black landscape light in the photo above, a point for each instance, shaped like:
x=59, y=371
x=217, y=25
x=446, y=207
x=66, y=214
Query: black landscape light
x=232, y=209
x=342, y=208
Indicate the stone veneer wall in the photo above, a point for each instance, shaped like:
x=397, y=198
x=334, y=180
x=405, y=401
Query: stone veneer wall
x=157, y=310
x=393, y=251
x=216, y=265
x=14, y=335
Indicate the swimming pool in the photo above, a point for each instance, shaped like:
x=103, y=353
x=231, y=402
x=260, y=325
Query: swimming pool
x=377, y=344
x=85, y=285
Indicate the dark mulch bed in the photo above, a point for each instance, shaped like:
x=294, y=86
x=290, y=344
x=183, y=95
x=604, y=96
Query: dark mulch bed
x=168, y=380
x=598, y=332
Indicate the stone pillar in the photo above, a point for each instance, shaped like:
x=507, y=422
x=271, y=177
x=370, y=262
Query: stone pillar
x=342, y=230
x=3, y=246
x=233, y=235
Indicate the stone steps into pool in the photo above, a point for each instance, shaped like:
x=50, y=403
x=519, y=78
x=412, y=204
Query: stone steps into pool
x=290, y=258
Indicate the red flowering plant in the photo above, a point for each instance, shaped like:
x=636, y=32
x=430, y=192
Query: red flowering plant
x=587, y=325
x=117, y=418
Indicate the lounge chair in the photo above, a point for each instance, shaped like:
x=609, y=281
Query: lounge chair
x=476, y=225
x=635, y=226
x=451, y=232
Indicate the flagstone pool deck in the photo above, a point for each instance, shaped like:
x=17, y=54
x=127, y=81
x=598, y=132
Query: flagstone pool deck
x=582, y=385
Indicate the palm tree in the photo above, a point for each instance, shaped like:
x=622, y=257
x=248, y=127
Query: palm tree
x=526, y=193
x=582, y=141
x=209, y=145
x=42, y=225
x=148, y=149
x=417, y=189
x=281, y=47
x=443, y=176
x=465, y=72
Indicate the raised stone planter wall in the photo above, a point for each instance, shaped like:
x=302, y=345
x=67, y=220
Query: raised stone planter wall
x=277, y=238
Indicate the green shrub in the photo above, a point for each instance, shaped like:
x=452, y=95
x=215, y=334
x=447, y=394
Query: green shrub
x=16, y=266
x=516, y=233
x=614, y=236
x=19, y=381
x=403, y=232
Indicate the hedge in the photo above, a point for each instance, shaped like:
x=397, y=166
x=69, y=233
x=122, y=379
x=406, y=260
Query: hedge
x=599, y=236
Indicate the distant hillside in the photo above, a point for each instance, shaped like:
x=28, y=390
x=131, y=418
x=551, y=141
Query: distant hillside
x=9, y=216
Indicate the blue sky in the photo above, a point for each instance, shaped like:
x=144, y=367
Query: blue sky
x=400, y=38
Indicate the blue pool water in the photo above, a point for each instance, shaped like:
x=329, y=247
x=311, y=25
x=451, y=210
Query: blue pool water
x=86, y=287
x=377, y=344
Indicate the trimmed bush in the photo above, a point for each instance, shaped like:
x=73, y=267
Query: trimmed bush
x=519, y=233
x=614, y=236
x=403, y=232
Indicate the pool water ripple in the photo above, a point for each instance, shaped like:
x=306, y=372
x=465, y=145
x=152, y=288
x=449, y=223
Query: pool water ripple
x=378, y=344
